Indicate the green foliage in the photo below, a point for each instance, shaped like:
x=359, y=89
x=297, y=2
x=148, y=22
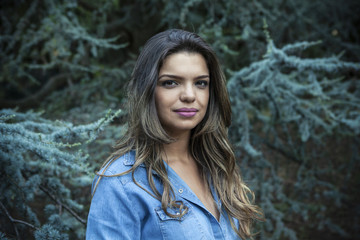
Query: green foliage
x=296, y=109
x=46, y=47
x=43, y=159
x=294, y=91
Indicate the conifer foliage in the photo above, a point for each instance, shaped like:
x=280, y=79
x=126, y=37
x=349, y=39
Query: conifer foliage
x=288, y=106
x=293, y=78
x=42, y=159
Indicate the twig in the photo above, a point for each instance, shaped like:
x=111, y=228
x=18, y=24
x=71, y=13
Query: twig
x=282, y=151
x=62, y=205
x=13, y=221
x=30, y=101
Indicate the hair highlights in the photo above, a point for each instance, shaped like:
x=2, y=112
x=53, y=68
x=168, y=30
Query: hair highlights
x=209, y=143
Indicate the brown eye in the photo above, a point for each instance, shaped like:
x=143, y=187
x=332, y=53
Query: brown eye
x=169, y=83
x=202, y=84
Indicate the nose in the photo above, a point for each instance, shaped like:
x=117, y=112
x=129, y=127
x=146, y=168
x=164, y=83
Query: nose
x=188, y=93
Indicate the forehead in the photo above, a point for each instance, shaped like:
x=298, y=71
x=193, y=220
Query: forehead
x=186, y=63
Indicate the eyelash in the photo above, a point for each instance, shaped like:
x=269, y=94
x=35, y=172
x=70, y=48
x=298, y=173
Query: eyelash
x=202, y=83
x=171, y=83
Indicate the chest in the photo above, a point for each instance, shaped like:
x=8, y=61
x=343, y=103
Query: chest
x=196, y=224
x=198, y=185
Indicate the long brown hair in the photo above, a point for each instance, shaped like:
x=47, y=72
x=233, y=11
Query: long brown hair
x=209, y=144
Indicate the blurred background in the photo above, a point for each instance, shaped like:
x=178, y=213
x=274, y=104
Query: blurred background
x=293, y=77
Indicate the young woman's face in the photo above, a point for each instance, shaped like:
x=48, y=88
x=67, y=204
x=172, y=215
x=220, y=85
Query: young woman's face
x=182, y=92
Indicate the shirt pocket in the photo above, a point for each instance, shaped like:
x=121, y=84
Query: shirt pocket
x=186, y=227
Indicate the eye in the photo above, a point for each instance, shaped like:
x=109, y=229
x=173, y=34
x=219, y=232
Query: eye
x=202, y=83
x=169, y=83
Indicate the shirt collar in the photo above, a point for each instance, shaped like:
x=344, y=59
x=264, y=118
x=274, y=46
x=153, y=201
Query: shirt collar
x=180, y=187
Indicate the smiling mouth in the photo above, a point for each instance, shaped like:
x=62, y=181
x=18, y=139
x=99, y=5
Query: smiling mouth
x=186, y=112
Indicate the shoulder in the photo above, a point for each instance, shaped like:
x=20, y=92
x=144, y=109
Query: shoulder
x=118, y=179
x=119, y=171
x=118, y=165
x=110, y=196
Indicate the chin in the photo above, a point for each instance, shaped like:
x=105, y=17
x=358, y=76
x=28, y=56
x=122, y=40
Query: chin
x=180, y=129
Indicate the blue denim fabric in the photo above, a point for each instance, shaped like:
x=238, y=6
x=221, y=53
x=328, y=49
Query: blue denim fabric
x=122, y=210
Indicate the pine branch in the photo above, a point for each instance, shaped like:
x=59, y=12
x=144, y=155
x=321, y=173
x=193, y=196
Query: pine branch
x=32, y=100
x=62, y=205
x=14, y=221
x=282, y=151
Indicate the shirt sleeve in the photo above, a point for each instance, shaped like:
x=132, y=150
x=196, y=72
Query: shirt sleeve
x=112, y=215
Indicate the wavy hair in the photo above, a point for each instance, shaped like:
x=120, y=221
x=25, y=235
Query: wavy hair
x=209, y=144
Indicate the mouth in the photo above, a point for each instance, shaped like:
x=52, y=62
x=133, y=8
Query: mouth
x=186, y=112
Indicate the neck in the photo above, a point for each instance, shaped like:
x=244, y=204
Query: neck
x=178, y=150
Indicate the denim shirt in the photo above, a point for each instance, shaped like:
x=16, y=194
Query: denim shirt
x=122, y=210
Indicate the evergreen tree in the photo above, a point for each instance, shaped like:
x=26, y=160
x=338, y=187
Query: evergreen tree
x=294, y=88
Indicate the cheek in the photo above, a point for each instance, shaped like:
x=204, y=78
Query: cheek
x=163, y=102
x=158, y=99
x=205, y=98
x=206, y=102
x=165, y=98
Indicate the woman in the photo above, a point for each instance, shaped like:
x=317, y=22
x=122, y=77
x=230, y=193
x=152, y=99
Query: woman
x=173, y=175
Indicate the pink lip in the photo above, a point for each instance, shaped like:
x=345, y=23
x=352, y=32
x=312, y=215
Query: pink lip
x=186, y=112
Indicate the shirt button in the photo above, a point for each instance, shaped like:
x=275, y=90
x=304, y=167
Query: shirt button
x=181, y=190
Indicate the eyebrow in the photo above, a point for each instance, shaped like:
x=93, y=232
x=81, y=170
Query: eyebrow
x=178, y=77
